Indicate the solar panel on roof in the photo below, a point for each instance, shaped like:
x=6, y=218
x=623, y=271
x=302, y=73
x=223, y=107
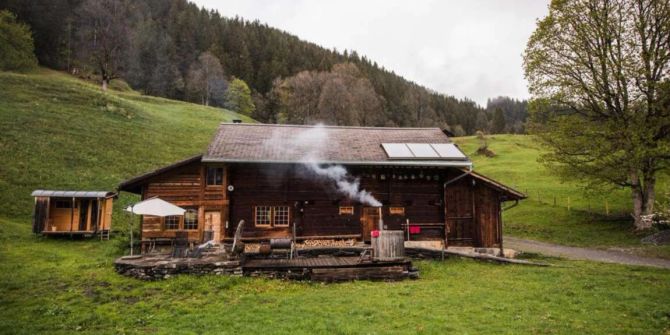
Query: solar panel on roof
x=428, y=151
x=422, y=150
x=448, y=151
x=397, y=150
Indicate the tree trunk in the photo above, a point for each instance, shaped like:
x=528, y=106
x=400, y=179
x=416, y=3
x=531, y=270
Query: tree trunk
x=644, y=196
x=104, y=84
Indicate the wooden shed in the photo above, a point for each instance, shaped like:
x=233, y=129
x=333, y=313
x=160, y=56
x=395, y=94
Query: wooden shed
x=273, y=178
x=85, y=213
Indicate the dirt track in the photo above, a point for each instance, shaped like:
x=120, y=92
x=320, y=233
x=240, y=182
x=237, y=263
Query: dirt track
x=609, y=256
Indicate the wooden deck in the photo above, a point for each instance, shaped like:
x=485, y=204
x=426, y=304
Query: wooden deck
x=313, y=263
x=330, y=268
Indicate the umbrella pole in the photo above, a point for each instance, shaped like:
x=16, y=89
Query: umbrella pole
x=130, y=223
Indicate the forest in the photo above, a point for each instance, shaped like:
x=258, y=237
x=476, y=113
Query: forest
x=177, y=50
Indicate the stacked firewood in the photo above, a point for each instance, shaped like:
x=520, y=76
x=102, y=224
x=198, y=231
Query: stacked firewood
x=252, y=247
x=326, y=243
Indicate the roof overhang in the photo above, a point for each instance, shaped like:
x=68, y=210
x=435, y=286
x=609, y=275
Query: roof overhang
x=133, y=184
x=414, y=162
x=73, y=194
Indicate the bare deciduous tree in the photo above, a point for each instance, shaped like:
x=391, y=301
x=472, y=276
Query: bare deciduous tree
x=103, y=37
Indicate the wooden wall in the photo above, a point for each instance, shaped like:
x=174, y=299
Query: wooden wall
x=184, y=187
x=466, y=209
x=315, y=202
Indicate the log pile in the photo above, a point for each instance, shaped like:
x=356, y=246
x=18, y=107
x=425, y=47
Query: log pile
x=326, y=243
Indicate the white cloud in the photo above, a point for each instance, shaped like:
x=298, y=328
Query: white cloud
x=468, y=48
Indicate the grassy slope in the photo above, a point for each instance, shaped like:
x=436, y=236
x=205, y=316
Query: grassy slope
x=585, y=224
x=59, y=132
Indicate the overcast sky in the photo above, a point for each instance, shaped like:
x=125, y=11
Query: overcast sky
x=466, y=48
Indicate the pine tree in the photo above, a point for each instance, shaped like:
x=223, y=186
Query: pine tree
x=498, y=122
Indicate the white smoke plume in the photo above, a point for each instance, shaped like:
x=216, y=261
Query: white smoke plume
x=309, y=144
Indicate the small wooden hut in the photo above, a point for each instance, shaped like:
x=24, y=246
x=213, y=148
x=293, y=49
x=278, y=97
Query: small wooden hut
x=85, y=213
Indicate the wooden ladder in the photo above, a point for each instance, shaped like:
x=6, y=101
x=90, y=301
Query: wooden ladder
x=104, y=234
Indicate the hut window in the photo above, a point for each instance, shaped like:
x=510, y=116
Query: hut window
x=64, y=203
x=346, y=210
x=267, y=216
x=214, y=176
x=191, y=219
x=397, y=210
x=171, y=222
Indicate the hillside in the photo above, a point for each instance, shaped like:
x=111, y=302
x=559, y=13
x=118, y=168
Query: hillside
x=157, y=50
x=63, y=133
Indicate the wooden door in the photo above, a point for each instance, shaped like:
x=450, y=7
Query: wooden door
x=369, y=221
x=213, y=222
x=459, y=213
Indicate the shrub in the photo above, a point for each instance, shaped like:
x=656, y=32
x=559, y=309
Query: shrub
x=16, y=44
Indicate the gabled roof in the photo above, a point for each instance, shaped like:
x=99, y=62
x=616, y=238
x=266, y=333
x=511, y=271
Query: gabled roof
x=266, y=143
x=73, y=194
x=509, y=192
x=134, y=184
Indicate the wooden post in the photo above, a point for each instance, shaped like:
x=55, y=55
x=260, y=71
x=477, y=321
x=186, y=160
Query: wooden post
x=72, y=214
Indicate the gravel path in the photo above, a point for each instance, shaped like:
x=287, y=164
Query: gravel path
x=609, y=256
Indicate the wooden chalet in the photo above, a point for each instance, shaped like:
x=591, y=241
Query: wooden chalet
x=259, y=173
x=73, y=212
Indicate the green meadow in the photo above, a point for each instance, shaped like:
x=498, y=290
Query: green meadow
x=63, y=133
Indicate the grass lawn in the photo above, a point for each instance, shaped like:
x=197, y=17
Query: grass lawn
x=585, y=223
x=63, y=286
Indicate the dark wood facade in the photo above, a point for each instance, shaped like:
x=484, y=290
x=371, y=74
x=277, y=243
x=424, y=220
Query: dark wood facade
x=438, y=203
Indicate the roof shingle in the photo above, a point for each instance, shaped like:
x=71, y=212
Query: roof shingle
x=235, y=142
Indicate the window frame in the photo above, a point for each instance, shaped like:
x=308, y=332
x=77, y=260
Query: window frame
x=397, y=210
x=171, y=218
x=218, y=176
x=346, y=210
x=197, y=223
x=267, y=216
x=273, y=215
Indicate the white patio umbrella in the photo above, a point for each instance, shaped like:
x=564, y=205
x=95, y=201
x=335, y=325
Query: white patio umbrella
x=155, y=207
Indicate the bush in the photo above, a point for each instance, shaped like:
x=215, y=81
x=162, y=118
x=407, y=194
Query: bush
x=16, y=44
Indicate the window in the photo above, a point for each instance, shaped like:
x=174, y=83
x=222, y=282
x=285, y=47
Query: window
x=269, y=216
x=397, y=210
x=346, y=210
x=191, y=219
x=280, y=216
x=63, y=203
x=263, y=215
x=171, y=222
x=214, y=176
